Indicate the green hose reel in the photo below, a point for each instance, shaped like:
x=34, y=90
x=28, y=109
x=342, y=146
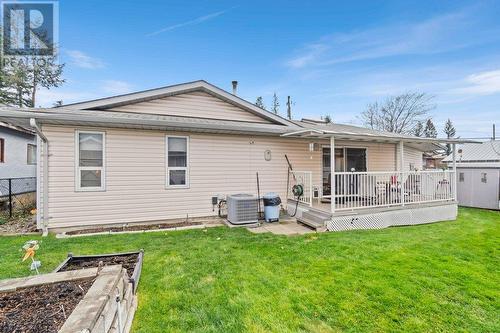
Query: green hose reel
x=298, y=190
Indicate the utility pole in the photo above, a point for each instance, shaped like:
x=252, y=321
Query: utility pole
x=289, y=108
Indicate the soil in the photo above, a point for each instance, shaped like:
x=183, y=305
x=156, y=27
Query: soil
x=128, y=261
x=42, y=308
x=18, y=225
x=134, y=228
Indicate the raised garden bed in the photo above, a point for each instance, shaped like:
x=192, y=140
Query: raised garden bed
x=87, y=300
x=42, y=308
x=131, y=261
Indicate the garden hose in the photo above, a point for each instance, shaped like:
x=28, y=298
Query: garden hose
x=298, y=192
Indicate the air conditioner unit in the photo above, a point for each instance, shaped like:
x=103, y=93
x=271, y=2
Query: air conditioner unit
x=242, y=209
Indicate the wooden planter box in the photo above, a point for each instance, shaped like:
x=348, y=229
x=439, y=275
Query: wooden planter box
x=108, y=306
x=133, y=279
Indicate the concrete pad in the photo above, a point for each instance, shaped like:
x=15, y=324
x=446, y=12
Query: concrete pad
x=288, y=228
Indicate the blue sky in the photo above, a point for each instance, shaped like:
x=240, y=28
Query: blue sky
x=332, y=57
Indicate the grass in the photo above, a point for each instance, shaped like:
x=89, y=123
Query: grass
x=442, y=277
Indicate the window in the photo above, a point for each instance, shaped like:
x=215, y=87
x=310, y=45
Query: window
x=31, y=158
x=177, y=161
x=461, y=177
x=89, y=161
x=2, y=150
x=483, y=177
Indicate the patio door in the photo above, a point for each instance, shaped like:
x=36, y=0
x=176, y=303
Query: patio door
x=346, y=159
x=355, y=159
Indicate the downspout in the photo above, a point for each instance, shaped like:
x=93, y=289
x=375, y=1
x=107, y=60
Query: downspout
x=45, y=192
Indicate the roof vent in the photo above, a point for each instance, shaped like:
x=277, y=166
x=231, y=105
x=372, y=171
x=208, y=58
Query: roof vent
x=235, y=87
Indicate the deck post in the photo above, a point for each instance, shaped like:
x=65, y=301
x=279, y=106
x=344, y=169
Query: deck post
x=332, y=174
x=455, y=178
x=401, y=170
x=401, y=156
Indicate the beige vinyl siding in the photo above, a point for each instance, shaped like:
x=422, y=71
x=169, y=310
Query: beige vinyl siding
x=195, y=104
x=379, y=156
x=135, y=174
x=411, y=156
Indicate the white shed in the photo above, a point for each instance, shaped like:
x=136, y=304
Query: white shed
x=478, y=175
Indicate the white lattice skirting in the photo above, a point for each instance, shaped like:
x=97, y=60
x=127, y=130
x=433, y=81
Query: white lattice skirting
x=399, y=217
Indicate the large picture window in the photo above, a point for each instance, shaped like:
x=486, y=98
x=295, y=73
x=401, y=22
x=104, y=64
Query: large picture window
x=177, y=161
x=90, y=161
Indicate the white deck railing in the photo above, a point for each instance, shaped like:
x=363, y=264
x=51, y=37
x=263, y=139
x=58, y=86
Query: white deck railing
x=303, y=178
x=358, y=190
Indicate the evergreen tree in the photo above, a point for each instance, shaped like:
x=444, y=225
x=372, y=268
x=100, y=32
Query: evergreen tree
x=328, y=119
x=430, y=130
x=6, y=95
x=21, y=80
x=419, y=129
x=450, y=132
x=260, y=103
x=276, y=104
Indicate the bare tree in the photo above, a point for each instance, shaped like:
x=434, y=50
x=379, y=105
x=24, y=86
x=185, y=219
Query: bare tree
x=398, y=114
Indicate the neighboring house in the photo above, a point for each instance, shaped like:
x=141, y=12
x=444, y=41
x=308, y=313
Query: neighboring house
x=165, y=154
x=17, y=151
x=478, y=168
x=432, y=160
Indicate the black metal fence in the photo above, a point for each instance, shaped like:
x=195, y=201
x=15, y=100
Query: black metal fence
x=17, y=193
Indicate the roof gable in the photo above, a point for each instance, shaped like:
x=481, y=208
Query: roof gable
x=119, y=103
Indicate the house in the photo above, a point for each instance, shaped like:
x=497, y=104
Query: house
x=165, y=153
x=478, y=169
x=433, y=160
x=17, y=151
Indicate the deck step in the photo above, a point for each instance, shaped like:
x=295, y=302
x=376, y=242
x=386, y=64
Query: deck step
x=313, y=223
x=317, y=216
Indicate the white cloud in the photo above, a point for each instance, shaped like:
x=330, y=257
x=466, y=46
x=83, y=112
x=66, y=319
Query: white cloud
x=435, y=35
x=80, y=59
x=116, y=87
x=47, y=98
x=312, y=53
x=484, y=83
x=195, y=21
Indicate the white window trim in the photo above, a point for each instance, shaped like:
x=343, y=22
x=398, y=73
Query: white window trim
x=167, y=168
x=78, y=168
x=27, y=154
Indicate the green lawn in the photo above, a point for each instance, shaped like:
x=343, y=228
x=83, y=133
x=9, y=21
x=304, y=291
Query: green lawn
x=438, y=277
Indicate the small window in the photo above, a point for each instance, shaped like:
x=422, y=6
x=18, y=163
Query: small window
x=31, y=158
x=2, y=150
x=177, y=161
x=483, y=177
x=461, y=177
x=90, y=161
